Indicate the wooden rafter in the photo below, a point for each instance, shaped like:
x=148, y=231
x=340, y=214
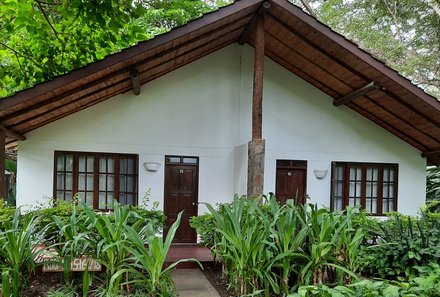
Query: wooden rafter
x=358, y=93
x=247, y=32
x=12, y=134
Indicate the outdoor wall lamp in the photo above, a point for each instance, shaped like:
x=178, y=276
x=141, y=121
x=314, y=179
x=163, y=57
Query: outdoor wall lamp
x=151, y=166
x=320, y=174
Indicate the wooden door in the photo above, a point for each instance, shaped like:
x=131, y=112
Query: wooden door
x=291, y=177
x=181, y=191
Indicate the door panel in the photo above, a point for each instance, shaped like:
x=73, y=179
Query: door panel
x=181, y=186
x=291, y=184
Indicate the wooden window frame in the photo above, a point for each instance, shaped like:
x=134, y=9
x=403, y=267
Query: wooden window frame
x=363, y=180
x=96, y=173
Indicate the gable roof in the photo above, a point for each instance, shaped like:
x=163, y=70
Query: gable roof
x=294, y=39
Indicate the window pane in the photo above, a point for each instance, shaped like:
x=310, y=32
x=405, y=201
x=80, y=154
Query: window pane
x=130, y=199
x=174, y=159
x=122, y=181
x=110, y=165
x=339, y=172
x=352, y=173
x=90, y=163
x=391, y=205
x=82, y=164
x=369, y=173
x=102, y=182
x=130, y=166
x=110, y=200
x=190, y=160
x=103, y=164
x=375, y=174
x=385, y=190
x=351, y=202
x=392, y=174
x=358, y=189
x=338, y=203
x=60, y=163
x=130, y=184
x=386, y=173
x=68, y=196
x=89, y=182
x=352, y=189
x=60, y=181
x=122, y=165
x=60, y=195
x=69, y=162
x=89, y=198
x=69, y=181
x=81, y=181
x=81, y=196
x=123, y=199
x=385, y=205
x=102, y=203
x=110, y=182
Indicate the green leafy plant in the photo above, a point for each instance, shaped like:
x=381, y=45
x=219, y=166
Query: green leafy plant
x=107, y=241
x=205, y=228
x=18, y=253
x=244, y=248
x=404, y=243
x=147, y=264
x=6, y=213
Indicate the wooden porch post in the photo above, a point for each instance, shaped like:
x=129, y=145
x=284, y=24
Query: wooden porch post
x=3, y=193
x=256, y=147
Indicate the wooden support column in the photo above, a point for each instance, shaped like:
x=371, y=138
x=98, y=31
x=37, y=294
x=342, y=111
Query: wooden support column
x=135, y=81
x=3, y=193
x=256, y=147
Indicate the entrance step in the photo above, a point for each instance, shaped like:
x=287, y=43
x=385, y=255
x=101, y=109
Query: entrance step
x=198, y=252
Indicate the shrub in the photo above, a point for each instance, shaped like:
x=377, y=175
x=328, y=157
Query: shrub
x=6, y=213
x=205, y=228
x=404, y=243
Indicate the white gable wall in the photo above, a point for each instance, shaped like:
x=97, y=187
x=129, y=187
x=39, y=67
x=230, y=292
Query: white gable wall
x=203, y=109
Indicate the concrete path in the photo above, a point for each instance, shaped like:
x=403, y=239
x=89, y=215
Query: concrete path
x=192, y=283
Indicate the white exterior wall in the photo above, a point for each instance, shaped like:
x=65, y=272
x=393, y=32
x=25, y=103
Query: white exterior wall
x=204, y=109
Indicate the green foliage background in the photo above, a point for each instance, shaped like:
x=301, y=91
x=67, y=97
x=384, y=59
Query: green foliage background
x=41, y=39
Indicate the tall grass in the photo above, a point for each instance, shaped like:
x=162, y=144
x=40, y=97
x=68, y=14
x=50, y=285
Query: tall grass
x=275, y=248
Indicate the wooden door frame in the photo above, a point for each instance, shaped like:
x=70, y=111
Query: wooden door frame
x=290, y=164
x=181, y=163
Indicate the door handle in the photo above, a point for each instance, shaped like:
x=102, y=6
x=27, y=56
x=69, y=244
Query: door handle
x=193, y=204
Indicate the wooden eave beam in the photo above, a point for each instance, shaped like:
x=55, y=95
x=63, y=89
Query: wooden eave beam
x=358, y=93
x=431, y=154
x=12, y=134
x=135, y=81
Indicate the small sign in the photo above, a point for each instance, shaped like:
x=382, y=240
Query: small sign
x=77, y=264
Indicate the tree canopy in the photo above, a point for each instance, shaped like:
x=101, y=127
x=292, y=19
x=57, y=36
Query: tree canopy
x=405, y=34
x=41, y=39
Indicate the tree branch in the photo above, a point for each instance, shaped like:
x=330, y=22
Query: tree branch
x=48, y=21
x=18, y=53
x=435, y=5
x=308, y=7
